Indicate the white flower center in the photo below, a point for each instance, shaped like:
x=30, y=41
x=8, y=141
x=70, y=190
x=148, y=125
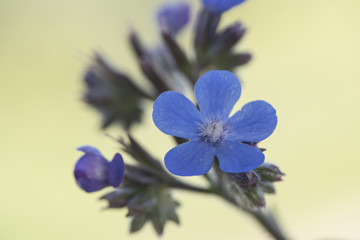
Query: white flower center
x=213, y=130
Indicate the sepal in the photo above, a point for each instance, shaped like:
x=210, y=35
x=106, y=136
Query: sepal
x=179, y=56
x=269, y=172
x=145, y=203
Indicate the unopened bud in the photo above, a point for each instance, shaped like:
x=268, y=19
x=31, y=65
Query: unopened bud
x=269, y=172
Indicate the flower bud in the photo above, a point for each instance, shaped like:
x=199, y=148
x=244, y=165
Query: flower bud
x=226, y=40
x=220, y=6
x=174, y=15
x=244, y=180
x=113, y=94
x=93, y=172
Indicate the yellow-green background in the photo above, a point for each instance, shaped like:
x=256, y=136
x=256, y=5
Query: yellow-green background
x=306, y=64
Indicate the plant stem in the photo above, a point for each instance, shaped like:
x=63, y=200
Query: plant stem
x=185, y=186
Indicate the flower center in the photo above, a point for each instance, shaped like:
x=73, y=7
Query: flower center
x=213, y=130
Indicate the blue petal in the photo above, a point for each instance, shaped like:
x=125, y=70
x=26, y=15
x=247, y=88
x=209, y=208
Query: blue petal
x=220, y=6
x=176, y=115
x=191, y=158
x=91, y=173
x=253, y=123
x=90, y=150
x=217, y=92
x=116, y=171
x=175, y=15
x=235, y=157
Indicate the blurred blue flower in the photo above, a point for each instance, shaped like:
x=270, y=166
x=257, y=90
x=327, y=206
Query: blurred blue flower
x=93, y=172
x=220, y=6
x=175, y=15
x=211, y=131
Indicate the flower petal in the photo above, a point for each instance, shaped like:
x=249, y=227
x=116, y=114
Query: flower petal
x=190, y=158
x=235, y=157
x=220, y=6
x=90, y=150
x=116, y=171
x=91, y=172
x=217, y=92
x=253, y=123
x=176, y=115
x=90, y=185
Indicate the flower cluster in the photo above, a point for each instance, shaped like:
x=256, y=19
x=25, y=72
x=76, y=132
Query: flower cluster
x=212, y=142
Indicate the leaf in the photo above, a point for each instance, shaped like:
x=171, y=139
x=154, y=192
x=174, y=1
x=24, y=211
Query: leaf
x=137, y=223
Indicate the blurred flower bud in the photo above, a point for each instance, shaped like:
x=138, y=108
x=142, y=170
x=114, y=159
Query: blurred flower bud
x=269, y=172
x=93, y=172
x=244, y=180
x=113, y=94
x=175, y=15
x=220, y=6
x=227, y=39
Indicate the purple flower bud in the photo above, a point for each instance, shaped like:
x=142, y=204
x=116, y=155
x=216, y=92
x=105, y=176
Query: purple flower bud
x=174, y=15
x=93, y=172
x=245, y=180
x=220, y=6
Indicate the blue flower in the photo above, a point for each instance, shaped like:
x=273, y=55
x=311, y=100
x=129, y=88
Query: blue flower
x=211, y=131
x=174, y=15
x=220, y=6
x=93, y=172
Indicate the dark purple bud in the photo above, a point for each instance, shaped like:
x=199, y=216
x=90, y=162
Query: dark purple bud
x=93, y=172
x=174, y=15
x=227, y=39
x=245, y=180
x=220, y=6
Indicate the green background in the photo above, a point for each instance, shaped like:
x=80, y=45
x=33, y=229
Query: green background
x=306, y=64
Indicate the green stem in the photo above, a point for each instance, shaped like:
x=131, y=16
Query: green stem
x=185, y=186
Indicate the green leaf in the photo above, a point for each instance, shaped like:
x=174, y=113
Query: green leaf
x=137, y=223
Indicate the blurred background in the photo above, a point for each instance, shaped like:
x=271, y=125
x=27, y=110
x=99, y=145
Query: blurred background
x=306, y=64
